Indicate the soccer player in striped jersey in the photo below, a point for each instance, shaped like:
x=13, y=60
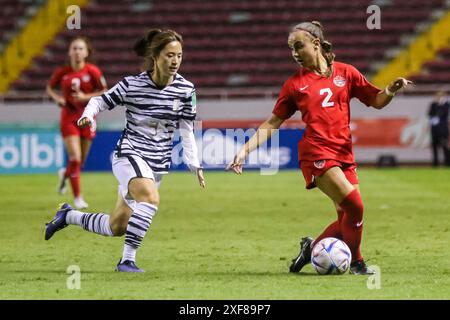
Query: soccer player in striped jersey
x=321, y=90
x=158, y=101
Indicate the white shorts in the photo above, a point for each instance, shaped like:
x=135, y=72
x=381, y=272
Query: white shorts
x=129, y=167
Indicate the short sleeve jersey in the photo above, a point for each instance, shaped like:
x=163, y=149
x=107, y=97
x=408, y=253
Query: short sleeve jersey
x=89, y=79
x=325, y=107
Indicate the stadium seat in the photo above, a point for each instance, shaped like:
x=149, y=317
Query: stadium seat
x=231, y=43
x=11, y=12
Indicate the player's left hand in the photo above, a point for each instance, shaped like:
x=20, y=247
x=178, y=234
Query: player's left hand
x=398, y=84
x=237, y=164
x=201, y=178
x=79, y=96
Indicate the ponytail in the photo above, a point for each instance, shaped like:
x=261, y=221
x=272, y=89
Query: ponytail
x=152, y=43
x=327, y=52
x=141, y=45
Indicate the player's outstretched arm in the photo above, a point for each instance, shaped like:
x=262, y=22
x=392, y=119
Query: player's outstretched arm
x=95, y=106
x=384, y=97
x=108, y=100
x=263, y=133
x=190, y=150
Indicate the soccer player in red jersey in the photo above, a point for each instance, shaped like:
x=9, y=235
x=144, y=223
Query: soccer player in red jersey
x=79, y=81
x=321, y=90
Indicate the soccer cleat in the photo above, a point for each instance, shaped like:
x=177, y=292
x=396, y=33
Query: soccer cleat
x=128, y=266
x=80, y=203
x=360, y=268
x=58, y=222
x=62, y=186
x=304, y=257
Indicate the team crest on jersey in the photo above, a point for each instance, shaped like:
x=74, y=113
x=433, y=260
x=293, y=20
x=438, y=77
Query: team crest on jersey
x=319, y=164
x=86, y=78
x=339, y=81
x=176, y=105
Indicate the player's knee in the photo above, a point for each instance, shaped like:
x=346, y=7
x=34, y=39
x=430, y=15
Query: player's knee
x=146, y=195
x=144, y=192
x=150, y=197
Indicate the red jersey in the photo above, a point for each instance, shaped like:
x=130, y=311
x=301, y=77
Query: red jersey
x=325, y=107
x=88, y=80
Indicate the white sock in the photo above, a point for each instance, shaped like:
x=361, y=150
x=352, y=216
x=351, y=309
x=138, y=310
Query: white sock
x=74, y=217
x=137, y=227
x=94, y=222
x=129, y=253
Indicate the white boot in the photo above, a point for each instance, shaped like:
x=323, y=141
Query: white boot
x=80, y=203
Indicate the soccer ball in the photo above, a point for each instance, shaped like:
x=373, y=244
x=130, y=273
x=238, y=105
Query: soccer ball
x=331, y=256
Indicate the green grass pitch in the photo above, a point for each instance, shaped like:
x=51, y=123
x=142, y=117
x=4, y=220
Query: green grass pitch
x=233, y=240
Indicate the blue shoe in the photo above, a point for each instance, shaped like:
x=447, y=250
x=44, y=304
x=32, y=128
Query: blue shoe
x=128, y=266
x=58, y=222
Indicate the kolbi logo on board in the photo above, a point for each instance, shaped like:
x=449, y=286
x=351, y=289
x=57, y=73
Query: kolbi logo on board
x=30, y=152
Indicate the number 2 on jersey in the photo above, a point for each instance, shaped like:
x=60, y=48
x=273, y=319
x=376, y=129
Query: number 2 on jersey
x=326, y=102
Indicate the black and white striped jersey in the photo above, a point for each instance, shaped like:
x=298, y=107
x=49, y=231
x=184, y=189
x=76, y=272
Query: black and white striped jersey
x=152, y=116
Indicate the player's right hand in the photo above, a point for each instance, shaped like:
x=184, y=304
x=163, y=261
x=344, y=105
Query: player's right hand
x=84, y=122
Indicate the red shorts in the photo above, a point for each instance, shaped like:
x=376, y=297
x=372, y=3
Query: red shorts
x=313, y=169
x=68, y=127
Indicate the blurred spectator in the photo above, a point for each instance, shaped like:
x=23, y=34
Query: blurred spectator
x=438, y=115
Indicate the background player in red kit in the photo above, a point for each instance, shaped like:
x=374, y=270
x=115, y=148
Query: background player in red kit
x=321, y=90
x=79, y=81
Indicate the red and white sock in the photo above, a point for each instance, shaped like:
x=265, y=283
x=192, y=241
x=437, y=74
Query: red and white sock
x=333, y=230
x=73, y=173
x=352, y=223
